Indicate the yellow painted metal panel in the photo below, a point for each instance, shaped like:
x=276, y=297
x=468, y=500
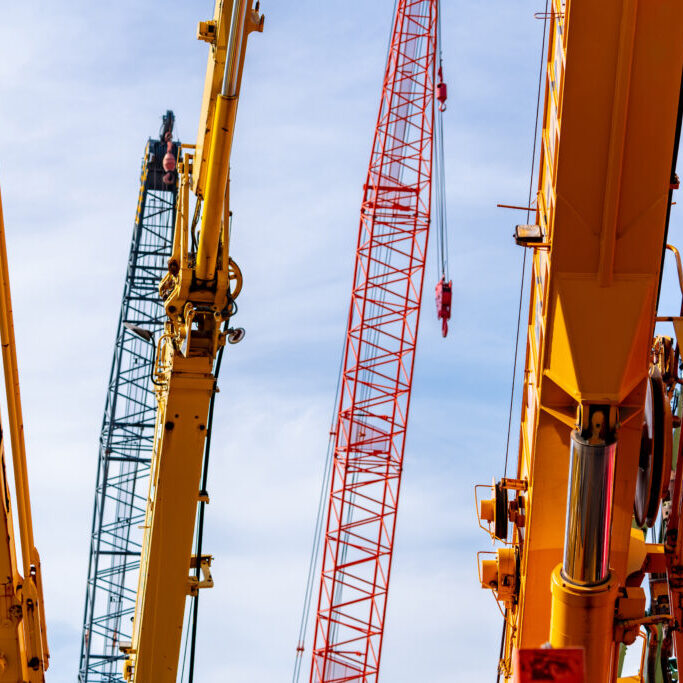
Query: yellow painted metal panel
x=170, y=519
x=215, y=67
x=12, y=646
x=604, y=204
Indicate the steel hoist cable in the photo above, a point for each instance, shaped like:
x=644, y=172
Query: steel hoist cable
x=521, y=287
x=439, y=166
x=202, y=505
x=317, y=534
x=444, y=286
x=528, y=217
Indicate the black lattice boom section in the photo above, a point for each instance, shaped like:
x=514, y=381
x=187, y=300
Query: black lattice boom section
x=127, y=435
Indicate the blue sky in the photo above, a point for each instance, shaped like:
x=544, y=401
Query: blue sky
x=82, y=86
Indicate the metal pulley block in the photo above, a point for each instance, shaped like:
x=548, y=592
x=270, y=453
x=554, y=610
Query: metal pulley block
x=502, y=575
x=444, y=295
x=498, y=510
x=495, y=512
x=654, y=465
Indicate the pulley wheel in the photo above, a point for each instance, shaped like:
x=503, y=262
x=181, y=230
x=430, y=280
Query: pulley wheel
x=654, y=464
x=501, y=520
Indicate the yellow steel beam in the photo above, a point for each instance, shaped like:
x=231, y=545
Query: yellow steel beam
x=24, y=654
x=216, y=33
x=218, y=114
x=612, y=88
x=217, y=181
x=180, y=434
x=224, y=66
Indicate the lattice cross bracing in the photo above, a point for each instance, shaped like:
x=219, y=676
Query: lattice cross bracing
x=378, y=359
x=127, y=435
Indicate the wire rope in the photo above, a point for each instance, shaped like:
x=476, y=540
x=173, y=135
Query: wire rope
x=440, y=170
x=317, y=534
x=202, y=505
x=187, y=640
x=521, y=289
x=528, y=215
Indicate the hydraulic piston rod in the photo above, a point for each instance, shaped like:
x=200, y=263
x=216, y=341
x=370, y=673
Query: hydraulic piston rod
x=589, y=512
x=583, y=588
x=244, y=20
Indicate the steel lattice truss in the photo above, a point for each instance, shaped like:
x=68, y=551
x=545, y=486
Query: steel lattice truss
x=127, y=434
x=378, y=359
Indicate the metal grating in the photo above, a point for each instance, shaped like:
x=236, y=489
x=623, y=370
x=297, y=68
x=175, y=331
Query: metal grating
x=127, y=435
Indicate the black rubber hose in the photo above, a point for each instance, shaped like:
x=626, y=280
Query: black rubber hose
x=200, y=523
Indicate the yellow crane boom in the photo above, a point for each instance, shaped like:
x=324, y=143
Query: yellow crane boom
x=198, y=294
x=24, y=654
x=610, y=113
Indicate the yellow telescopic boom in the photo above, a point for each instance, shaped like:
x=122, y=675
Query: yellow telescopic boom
x=24, y=652
x=571, y=576
x=198, y=294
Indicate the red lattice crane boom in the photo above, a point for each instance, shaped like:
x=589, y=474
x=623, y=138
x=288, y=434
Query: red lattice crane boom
x=378, y=359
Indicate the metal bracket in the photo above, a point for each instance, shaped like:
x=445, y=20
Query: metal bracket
x=511, y=514
x=206, y=31
x=514, y=484
x=193, y=583
x=126, y=647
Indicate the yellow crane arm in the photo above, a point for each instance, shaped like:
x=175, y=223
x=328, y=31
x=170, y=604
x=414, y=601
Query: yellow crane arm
x=24, y=653
x=609, y=124
x=198, y=293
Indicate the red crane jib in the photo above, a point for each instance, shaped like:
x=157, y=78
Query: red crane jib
x=379, y=354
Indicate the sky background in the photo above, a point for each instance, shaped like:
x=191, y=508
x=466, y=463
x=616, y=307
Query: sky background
x=82, y=87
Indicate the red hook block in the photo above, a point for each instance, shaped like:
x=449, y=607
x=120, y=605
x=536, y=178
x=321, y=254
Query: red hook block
x=444, y=294
x=441, y=91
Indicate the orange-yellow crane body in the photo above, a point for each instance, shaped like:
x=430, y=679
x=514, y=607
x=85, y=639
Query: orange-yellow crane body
x=24, y=654
x=613, y=80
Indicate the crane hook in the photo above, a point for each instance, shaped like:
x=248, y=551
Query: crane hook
x=441, y=91
x=444, y=293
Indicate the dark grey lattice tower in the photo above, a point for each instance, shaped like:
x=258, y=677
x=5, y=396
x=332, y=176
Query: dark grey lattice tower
x=127, y=433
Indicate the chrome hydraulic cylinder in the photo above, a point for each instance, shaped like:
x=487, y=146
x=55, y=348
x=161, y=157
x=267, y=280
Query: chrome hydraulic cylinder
x=583, y=588
x=589, y=511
